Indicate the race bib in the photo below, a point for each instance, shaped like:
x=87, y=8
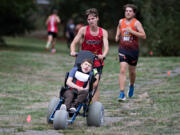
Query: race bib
x=126, y=36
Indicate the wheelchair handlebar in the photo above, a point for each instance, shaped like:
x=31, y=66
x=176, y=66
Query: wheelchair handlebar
x=96, y=56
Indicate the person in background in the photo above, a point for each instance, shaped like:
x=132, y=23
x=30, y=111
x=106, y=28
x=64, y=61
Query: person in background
x=77, y=28
x=70, y=32
x=52, y=22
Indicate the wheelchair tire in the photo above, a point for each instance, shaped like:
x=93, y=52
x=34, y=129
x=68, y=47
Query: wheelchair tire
x=53, y=103
x=95, y=114
x=60, y=119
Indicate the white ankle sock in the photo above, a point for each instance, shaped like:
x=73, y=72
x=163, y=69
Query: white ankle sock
x=48, y=44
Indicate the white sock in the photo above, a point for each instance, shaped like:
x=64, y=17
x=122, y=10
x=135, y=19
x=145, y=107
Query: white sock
x=48, y=44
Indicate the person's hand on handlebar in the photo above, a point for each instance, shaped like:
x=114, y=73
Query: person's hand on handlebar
x=74, y=54
x=101, y=57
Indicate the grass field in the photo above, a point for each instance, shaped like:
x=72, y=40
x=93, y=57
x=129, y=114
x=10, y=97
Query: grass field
x=30, y=77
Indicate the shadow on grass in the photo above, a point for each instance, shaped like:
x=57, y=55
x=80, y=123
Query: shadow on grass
x=27, y=48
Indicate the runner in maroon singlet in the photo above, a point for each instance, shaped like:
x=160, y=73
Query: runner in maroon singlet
x=129, y=30
x=95, y=39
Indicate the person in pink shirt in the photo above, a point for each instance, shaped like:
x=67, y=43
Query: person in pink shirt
x=52, y=22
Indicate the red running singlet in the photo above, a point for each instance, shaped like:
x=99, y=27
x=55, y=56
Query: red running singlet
x=93, y=44
x=52, y=25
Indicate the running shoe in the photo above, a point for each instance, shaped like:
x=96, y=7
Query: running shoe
x=53, y=50
x=131, y=91
x=72, y=109
x=63, y=107
x=122, y=96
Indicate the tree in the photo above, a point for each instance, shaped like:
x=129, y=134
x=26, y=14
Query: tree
x=109, y=11
x=15, y=16
x=161, y=23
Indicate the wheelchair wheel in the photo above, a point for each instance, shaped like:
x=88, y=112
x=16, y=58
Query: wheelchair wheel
x=95, y=114
x=60, y=119
x=53, y=103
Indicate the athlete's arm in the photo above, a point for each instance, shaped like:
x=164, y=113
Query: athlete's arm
x=118, y=32
x=58, y=19
x=106, y=45
x=47, y=21
x=77, y=38
x=140, y=31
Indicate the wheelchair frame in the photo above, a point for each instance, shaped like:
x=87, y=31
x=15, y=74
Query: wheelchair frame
x=84, y=105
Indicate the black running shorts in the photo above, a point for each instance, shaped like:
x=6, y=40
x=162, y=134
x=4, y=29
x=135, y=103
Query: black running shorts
x=54, y=34
x=129, y=56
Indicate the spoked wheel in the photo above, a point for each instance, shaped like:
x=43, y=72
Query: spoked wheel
x=95, y=114
x=51, y=107
x=60, y=119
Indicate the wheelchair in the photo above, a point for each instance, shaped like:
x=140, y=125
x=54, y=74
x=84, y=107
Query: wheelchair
x=93, y=111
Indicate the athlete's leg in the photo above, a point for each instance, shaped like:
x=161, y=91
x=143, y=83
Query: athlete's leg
x=132, y=77
x=132, y=74
x=95, y=86
x=122, y=80
x=53, y=45
x=50, y=38
x=122, y=75
x=96, y=95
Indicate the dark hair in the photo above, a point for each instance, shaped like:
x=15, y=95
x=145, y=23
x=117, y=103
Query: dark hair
x=92, y=11
x=55, y=11
x=134, y=7
x=88, y=60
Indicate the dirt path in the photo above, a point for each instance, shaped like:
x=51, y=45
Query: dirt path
x=32, y=132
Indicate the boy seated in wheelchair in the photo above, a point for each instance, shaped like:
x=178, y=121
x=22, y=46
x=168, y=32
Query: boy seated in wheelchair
x=78, y=83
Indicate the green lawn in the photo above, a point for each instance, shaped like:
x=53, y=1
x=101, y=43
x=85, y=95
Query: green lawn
x=30, y=77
